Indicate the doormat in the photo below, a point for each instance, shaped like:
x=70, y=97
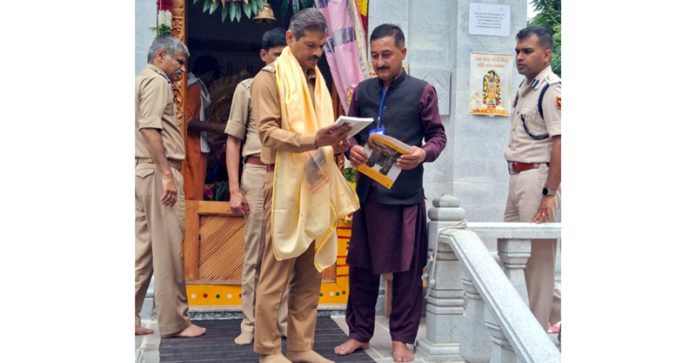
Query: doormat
x=217, y=344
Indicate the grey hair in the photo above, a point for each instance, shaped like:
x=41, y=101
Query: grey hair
x=307, y=19
x=169, y=44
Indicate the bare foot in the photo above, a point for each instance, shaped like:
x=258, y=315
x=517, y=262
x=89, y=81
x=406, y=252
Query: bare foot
x=350, y=346
x=401, y=353
x=273, y=358
x=139, y=330
x=309, y=356
x=192, y=331
x=245, y=338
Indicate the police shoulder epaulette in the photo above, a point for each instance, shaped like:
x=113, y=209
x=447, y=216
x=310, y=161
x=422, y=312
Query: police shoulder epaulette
x=163, y=75
x=535, y=84
x=269, y=68
x=552, y=79
x=247, y=82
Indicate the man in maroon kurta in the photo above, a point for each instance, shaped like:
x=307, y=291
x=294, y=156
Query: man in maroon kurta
x=389, y=231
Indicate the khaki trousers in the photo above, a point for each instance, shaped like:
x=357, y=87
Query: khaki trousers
x=303, y=298
x=159, y=232
x=254, y=243
x=524, y=196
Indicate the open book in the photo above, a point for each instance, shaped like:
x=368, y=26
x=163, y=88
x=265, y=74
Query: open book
x=356, y=123
x=382, y=152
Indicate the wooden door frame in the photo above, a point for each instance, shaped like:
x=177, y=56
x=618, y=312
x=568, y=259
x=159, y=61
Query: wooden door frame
x=179, y=88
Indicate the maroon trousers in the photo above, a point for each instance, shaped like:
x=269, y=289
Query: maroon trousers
x=386, y=238
x=407, y=304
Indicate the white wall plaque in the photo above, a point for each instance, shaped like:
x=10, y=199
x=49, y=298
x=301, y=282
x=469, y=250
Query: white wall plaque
x=489, y=19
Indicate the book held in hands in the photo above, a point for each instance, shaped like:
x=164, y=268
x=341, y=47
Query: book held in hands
x=382, y=152
x=356, y=123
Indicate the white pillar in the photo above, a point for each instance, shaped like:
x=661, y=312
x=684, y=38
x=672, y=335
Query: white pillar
x=501, y=351
x=444, y=301
x=475, y=341
x=514, y=254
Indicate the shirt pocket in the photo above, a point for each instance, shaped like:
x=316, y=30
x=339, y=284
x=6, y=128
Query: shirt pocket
x=532, y=124
x=144, y=172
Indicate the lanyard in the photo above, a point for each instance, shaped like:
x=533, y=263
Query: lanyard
x=381, y=105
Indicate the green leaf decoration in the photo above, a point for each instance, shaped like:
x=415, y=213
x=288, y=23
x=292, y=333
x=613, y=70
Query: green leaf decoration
x=349, y=174
x=247, y=10
x=295, y=6
x=231, y=9
x=163, y=30
x=283, y=8
x=223, y=13
x=239, y=12
x=252, y=8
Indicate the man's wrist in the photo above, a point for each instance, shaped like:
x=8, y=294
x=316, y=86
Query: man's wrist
x=548, y=192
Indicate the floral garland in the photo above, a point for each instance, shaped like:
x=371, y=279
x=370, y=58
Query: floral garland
x=164, y=17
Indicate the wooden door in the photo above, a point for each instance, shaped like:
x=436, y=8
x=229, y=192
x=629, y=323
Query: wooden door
x=214, y=255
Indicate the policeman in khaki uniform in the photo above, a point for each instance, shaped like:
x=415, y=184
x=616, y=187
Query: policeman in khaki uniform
x=243, y=136
x=159, y=194
x=534, y=162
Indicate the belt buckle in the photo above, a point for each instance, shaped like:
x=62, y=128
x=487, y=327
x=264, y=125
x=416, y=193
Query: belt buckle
x=511, y=167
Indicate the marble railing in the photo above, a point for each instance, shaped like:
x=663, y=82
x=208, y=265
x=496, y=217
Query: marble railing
x=477, y=311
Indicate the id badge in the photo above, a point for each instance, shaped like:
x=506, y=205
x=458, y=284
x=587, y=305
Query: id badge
x=378, y=130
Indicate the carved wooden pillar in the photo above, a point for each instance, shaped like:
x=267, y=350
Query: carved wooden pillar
x=179, y=88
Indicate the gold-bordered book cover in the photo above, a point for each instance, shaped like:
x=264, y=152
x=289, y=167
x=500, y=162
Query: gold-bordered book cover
x=382, y=152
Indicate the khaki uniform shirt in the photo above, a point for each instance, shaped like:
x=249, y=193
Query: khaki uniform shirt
x=241, y=122
x=522, y=147
x=265, y=105
x=155, y=108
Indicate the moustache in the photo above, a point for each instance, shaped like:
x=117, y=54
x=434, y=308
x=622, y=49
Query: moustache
x=383, y=68
x=313, y=58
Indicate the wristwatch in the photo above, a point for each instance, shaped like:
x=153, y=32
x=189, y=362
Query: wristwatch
x=548, y=192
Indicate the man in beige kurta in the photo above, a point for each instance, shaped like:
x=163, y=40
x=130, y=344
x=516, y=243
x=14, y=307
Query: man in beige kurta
x=247, y=200
x=159, y=197
x=306, y=38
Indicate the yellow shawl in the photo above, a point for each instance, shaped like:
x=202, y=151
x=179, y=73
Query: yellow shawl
x=310, y=193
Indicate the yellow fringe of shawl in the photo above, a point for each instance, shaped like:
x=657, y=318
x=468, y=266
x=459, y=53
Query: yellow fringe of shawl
x=302, y=213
